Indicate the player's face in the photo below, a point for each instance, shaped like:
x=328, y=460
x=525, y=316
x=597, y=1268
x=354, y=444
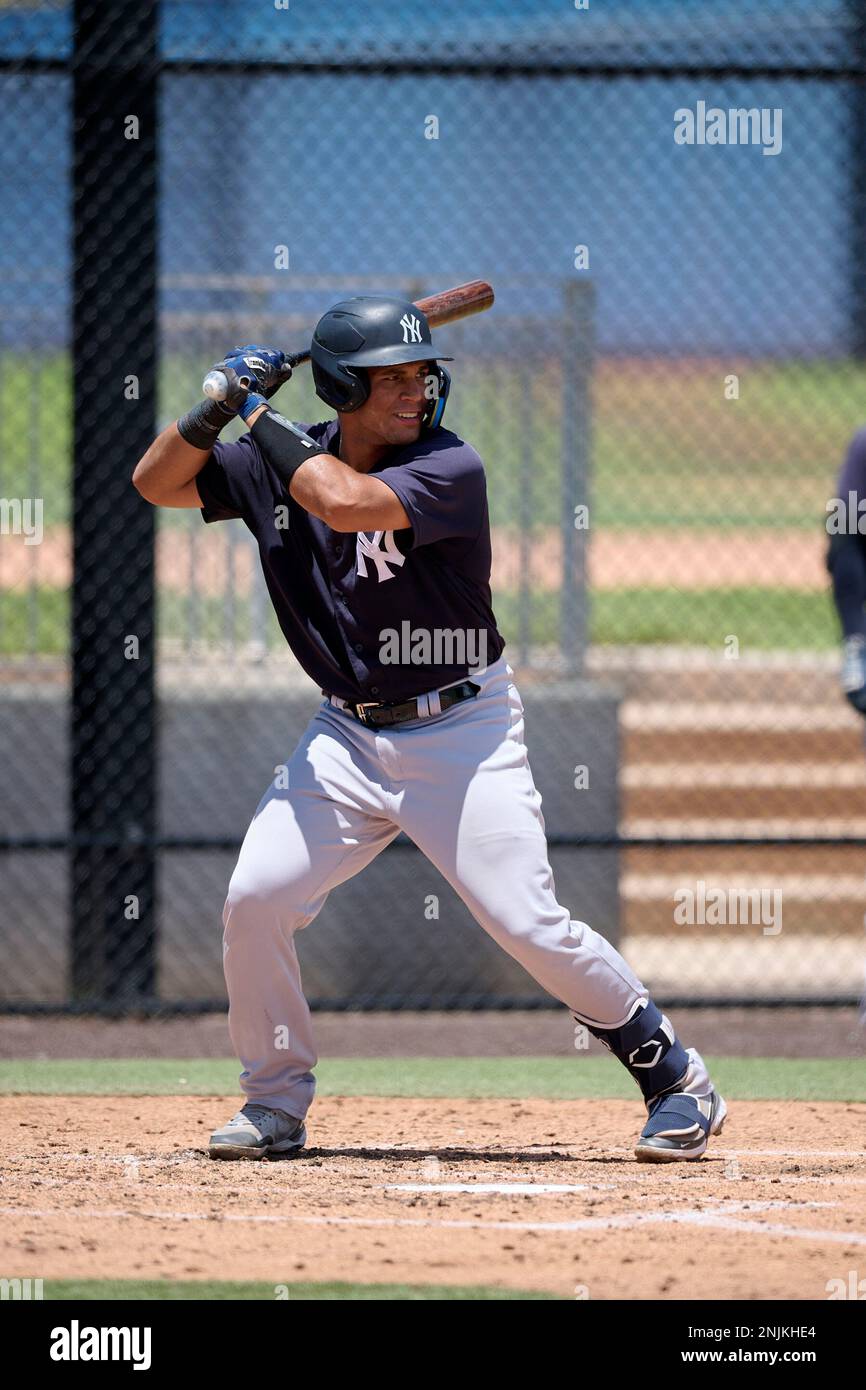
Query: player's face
x=397, y=401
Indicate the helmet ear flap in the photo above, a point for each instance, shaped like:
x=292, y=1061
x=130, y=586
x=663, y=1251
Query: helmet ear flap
x=341, y=387
x=436, y=409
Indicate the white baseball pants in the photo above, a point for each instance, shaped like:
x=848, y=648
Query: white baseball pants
x=459, y=784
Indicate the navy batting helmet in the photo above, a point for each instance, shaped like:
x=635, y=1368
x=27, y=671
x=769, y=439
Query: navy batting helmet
x=372, y=330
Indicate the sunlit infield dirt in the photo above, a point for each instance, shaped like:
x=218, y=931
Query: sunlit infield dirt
x=532, y=1194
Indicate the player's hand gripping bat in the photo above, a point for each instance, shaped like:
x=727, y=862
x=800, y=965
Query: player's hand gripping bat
x=446, y=307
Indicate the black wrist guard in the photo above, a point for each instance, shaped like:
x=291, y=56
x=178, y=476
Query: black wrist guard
x=201, y=425
x=284, y=446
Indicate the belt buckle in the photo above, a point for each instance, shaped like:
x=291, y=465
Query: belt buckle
x=361, y=708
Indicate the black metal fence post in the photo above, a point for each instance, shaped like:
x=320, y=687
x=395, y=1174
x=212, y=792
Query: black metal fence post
x=114, y=349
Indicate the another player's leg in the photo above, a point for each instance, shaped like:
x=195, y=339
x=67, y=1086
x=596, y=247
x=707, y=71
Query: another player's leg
x=305, y=838
x=473, y=809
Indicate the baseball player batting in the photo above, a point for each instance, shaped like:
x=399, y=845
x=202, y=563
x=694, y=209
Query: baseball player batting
x=388, y=526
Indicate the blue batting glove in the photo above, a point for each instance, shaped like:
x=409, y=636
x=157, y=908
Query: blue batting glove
x=266, y=368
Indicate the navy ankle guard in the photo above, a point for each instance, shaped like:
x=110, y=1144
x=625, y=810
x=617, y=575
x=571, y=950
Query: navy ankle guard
x=648, y=1046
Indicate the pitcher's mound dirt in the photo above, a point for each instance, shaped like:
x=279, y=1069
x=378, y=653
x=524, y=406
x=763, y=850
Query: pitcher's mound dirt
x=532, y=1194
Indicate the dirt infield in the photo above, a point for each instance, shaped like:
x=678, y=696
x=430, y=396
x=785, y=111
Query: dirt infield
x=554, y=1200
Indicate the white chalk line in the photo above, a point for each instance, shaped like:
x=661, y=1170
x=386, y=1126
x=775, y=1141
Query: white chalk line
x=540, y=1189
x=505, y=1189
x=501, y=1189
x=490, y=1189
x=789, y=1180
x=717, y=1218
x=795, y=1232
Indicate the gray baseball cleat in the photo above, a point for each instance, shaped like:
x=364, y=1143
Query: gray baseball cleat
x=681, y=1121
x=679, y=1127
x=256, y=1131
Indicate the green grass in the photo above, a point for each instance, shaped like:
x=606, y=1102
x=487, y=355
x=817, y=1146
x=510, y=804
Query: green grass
x=554, y=1078
x=51, y=635
x=36, y=431
x=761, y=619
x=165, y=1290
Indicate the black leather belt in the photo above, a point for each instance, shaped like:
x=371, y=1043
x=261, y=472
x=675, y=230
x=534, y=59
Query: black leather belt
x=379, y=716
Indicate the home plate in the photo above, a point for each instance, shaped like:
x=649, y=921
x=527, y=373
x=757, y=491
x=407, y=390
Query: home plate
x=505, y=1189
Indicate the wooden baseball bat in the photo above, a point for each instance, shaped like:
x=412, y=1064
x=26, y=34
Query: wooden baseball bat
x=446, y=307
x=472, y=298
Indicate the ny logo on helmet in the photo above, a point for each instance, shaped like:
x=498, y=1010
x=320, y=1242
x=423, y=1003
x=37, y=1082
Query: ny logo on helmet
x=411, y=327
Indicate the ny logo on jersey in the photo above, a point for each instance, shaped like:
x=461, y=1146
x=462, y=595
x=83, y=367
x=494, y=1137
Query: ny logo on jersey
x=411, y=327
x=382, y=556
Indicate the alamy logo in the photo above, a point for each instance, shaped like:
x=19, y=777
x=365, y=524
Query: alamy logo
x=704, y=905
x=438, y=646
x=21, y=1289
x=411, y=327
x=855, y=1287
x=367, y=549
x=845, y=517
x=738, y=125
x=22, y=516
x=77, y=1343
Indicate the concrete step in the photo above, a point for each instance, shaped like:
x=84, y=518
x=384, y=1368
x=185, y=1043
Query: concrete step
x=755, y=861
x=691, y=776
x=832, y=921
x=734, y=746
x=682, y=673
x=761, y=803
x=742, y=827
x=690, y=716
x=712, y=961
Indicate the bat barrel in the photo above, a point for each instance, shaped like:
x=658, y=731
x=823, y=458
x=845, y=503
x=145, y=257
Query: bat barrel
x=459, y=303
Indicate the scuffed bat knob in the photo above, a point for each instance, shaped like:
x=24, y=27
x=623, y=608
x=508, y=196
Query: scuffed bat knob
x=215, y=385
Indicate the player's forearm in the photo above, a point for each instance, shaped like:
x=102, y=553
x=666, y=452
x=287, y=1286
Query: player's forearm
x=323, y=485
x=169, y=464
x=343, y=499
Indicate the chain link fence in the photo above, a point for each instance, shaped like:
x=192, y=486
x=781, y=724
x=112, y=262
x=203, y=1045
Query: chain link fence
x=670, y=201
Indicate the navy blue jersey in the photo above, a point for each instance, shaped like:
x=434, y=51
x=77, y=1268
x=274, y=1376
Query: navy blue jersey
x=377, y=615
x=851, y=485
x=846, y=522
